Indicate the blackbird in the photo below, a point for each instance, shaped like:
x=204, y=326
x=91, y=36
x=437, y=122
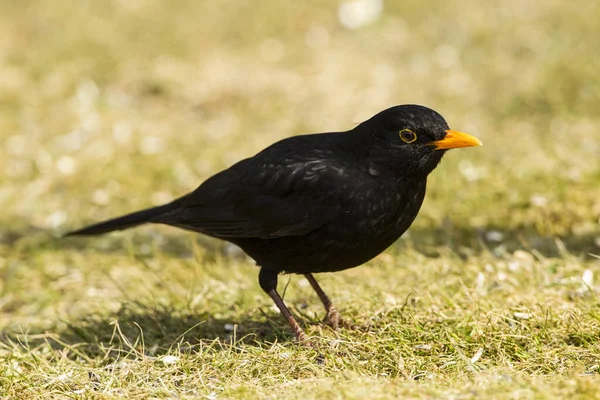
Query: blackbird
x=315, y=203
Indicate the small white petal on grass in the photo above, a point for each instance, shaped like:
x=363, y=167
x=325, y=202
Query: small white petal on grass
x=522, y=315
x=87, y=93
x=494, y=236
x=449, y=363
x=538, y=201
x=303, y=283
x=480, y=282
x=56, y=219
x=66, y=165
x=390, y=299
x=169, y=359
x=514, y=265
x=587, y=279
x=358, y=13
x=477, y=356
x=151, y=145
x=523, y=258
x=16, y=367
x=62, y=377
x=422, y=347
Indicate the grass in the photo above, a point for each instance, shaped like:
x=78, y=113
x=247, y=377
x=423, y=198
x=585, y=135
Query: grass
x=106, y=107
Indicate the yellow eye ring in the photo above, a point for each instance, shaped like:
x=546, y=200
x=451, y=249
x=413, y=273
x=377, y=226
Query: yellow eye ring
x=408, y=136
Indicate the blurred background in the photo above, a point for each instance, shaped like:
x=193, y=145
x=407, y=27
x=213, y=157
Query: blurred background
x=109, y=106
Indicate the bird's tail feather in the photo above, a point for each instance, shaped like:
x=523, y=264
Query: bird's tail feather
x=127, y=221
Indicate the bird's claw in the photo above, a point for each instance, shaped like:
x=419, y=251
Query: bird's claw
x=334, y=319
x=303, y=339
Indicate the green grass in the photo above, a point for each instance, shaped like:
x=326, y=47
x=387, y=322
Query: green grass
x=106, y=107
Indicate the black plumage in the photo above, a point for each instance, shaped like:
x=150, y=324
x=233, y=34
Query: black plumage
x=316, y=203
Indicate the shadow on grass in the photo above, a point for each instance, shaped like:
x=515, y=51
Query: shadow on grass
x=176, y=244
x=138, y=329
x=498, y=240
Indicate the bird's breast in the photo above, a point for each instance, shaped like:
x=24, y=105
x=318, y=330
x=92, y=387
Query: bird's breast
x=372, y=222
x=385, y=211
x=368, y=221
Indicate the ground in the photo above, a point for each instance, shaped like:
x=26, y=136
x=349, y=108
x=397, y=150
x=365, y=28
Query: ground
x=107, y=107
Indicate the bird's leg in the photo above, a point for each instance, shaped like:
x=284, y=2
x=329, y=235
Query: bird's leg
x=333, y=316
x=268, y=282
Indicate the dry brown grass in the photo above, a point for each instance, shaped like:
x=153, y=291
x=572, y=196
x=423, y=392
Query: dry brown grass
x=110, y=106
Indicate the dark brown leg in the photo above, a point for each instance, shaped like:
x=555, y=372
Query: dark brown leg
x=333, y=316
x=300, y=335
x=268, y=282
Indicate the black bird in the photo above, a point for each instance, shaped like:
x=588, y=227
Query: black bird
x=315, y=203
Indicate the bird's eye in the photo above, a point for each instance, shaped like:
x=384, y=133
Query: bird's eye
x=408, y=136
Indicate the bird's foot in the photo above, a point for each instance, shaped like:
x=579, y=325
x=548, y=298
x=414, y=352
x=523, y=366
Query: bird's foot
x=334, y=319
x=303, y=339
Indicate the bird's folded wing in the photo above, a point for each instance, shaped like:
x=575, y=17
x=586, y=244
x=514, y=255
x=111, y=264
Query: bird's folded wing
x=267, y=202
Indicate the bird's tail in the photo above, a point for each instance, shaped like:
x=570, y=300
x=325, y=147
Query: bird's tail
x=129, y=220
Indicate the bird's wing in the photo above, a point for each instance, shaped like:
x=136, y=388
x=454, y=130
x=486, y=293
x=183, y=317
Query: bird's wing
x=267, y=201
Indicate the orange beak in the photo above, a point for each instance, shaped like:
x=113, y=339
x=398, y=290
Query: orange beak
x=455, y=140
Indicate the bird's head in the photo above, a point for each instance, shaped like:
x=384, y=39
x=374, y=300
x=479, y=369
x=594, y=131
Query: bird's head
x=411, y=139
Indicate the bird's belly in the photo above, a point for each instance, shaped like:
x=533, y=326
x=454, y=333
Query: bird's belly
x=348, y=240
